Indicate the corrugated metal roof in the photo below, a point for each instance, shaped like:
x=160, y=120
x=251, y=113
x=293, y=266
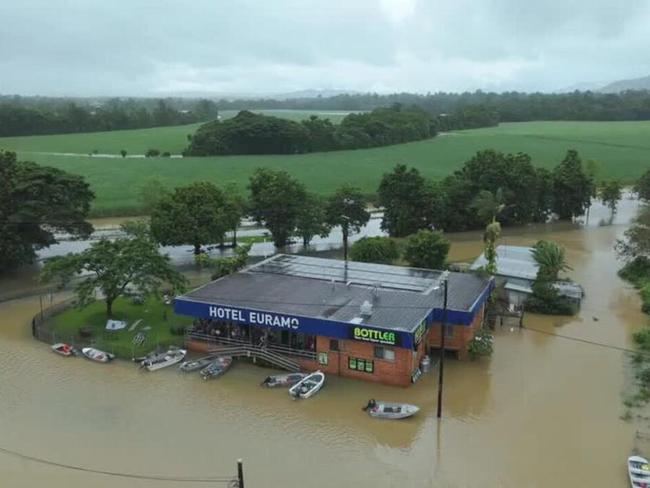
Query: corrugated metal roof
x=512, y=262
x=315, y=294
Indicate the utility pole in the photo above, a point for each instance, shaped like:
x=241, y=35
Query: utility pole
x=240, y=473
x=442, y=346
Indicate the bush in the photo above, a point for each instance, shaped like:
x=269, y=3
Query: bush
x=546, y=300
x=152, y=153
x=381, y=250
x=636, y=271
x=642, y=339
x=481, y=345
x=166, y=154
x=177, y=330
x=427, y=249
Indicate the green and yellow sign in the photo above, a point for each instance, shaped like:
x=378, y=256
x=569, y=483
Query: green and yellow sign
x=375, y=335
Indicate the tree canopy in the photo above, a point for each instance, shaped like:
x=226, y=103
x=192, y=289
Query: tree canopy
x=311, y=219
x=573, y=188
x=276, y=202
x=642, y=186
x=347, y=209
x=193, y=214
x=112, y=266
x=381, y=250
x=427, y=249
x=610, y=193
x=407, y=200
x=36, y=201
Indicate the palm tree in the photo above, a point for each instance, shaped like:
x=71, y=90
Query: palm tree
x=551, y=260
x=488, y=205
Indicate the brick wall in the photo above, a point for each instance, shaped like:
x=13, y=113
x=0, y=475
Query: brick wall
x=462, y=336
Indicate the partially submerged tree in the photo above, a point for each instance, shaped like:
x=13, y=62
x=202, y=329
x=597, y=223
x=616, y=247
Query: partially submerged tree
x=112, y=266
x=610, y=194
x=406, y=198
x=427, y=249
x=276, y=202
x=235, y=207
x=311, y=219
x=347, y=209
x=490, y=237
x=488, y=205
x=36, y=201
x=551, y=259
x=642, y=186
x=223, y=266
x=636, y=239
x=573, y=187
x=192, y=214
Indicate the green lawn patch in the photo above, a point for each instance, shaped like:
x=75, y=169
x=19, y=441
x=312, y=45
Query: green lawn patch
x=67, y=325
x=622, y=148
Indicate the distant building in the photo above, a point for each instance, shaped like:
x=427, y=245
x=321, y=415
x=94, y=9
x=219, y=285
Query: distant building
x=516, y=272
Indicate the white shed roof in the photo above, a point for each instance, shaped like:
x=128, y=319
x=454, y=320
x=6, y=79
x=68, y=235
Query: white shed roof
x=512, y=262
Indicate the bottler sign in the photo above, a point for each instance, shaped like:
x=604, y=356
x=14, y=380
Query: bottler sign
x=374, y=335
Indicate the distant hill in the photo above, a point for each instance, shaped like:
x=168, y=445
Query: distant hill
x=622, y=85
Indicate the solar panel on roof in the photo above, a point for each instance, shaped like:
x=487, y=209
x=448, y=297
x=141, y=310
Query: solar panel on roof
x=369, y=274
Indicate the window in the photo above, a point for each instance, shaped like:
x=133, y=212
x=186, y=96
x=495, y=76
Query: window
x=449, y=331
x=322, y=358
x=334, y=345
x=384, y=353
x=364, y=365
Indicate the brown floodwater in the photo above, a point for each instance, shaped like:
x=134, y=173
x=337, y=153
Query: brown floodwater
x=543, y=411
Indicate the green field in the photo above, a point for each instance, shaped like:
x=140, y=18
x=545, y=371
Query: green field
x=622, y=148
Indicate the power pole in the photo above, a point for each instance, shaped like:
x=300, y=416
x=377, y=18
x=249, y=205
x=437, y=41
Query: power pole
x=442, y=348
x=240, y=473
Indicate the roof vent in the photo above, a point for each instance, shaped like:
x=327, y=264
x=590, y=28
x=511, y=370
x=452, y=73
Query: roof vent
x=366, y=309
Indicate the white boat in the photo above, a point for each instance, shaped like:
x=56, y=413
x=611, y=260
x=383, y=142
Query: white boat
x=169, y=358
x=284, y=380
x=195, y=364
x=308, y=386
x=639, y=472
x=388, y=410
x=216, y=368
x=63, y=349
x=97, y=355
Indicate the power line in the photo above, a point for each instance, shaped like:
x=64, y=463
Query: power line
x=183, y=479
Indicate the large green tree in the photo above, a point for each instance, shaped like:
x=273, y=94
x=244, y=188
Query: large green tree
x=235, y=207
x=311, y=219
x=112, y=266
x=427, y=249
x=347, y=209
x=573, y=188
x=406, y=198
x=276, y=201
x=193, y=214
x=551, y=259
x=36, y=201
x=636, y=239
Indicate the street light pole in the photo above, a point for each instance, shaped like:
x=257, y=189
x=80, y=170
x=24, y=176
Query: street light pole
x=442, y=347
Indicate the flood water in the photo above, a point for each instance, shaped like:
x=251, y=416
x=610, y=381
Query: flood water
x=543, y=411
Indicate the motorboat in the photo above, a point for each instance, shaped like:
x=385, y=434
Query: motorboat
x=164, y=360
x=97, y=355
x=638, y=469
x=63, y=349
x=388, y=410
x=195, y=364
x=283, y=380
x=216, y=368
x=308, y=386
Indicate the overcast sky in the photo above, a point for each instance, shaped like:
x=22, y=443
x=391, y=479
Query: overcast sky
x=135, y=47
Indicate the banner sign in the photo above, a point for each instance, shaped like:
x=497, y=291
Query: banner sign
x=294, y=323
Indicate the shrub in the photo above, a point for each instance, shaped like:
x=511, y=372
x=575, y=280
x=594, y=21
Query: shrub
x=636, y=271
x=177, y=330
x=166, y=154
x=152, y=153
x=481, y=345
x=427, y=249
x=642, y=339
x=381, y=250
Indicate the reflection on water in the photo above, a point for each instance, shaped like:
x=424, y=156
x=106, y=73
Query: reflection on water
x=543, y=408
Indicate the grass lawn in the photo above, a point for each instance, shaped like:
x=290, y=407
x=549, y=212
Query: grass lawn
x=622, y=148
x=66, y=326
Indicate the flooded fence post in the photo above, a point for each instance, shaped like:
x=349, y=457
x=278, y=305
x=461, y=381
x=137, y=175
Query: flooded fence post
x=240, y=473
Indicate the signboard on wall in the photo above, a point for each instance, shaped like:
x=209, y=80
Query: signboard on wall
x=294, y=323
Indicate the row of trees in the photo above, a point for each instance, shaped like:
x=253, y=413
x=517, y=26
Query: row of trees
x=490, y=184
x=507, y=106
x=252, y=133
x=18, y=118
